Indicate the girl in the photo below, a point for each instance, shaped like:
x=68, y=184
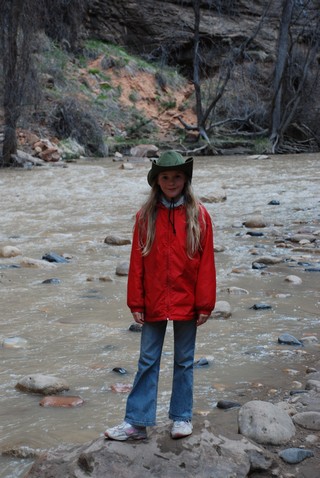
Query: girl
x=171, y=277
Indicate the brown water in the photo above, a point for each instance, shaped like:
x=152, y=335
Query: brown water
x=78, y=329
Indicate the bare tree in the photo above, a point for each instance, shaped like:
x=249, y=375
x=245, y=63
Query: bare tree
x=20, y=21
x=299, y=30
x=17, y=29
x=203, y=114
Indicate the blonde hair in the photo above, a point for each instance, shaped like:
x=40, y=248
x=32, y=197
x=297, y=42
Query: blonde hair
x=148, y=215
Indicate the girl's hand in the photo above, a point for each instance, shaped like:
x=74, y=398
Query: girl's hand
x=138, y=317
x=202, y=319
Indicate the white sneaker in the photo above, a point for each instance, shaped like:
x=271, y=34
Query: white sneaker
x=181, y=429
x=126, y=431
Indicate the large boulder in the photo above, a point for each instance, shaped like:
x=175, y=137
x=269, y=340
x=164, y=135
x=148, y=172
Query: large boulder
x=202, y=454
x=265, y=423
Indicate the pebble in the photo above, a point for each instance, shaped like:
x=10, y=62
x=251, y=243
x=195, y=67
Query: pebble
x=39, y=383
x=122, y=269
x=120, y=370
x=61, y=401
x=117, y=241
x=36, y=263
x=293, y=279
x=308, y=420
x=288, y=339
x=227, y=404
x=261, y=306
x=9, y=251
x=53, y=257
x=135, y=328
x=121, y=387
x=201, y=362
x=54, y=281
x=295, y=455
x=222, y=310
x=255, y=222
x=214, y=197
x=236, y=290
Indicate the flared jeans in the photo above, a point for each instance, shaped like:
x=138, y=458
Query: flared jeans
x=141, y=406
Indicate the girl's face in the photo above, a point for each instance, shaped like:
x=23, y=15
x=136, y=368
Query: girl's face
x=172, y=183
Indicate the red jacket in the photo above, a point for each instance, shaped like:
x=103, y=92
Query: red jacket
x=166, y=284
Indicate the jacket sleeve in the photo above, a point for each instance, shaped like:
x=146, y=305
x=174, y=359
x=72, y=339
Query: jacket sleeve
x=135, y=289
x=205, y=297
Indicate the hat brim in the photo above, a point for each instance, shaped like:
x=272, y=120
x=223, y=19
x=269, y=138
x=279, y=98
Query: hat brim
x=186, y=167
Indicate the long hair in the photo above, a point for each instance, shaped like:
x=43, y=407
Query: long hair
x=148, y=215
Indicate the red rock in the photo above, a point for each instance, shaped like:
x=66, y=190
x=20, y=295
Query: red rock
x=121, y=387
x=61, y=401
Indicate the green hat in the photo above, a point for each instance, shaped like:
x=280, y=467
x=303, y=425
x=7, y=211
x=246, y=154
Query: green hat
x=170, y=160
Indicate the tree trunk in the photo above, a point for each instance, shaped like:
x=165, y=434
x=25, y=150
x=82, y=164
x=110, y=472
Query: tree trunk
x=10, y=13
x=282, y=56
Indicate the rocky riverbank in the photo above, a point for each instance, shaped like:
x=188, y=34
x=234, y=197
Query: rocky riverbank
x=259, y=439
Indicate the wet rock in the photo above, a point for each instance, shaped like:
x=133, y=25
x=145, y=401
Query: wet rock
x=255, y=222
x=61, y=401
x=313, y=385
x=258, y=265
x=265, y=423
x=214, y=197
x=312, y=439
x=36, y=263
x=302, y=237
x=312, y=339
x=258, y=157
x=274, y=202
x=23, y=452
x=295, y=455
x=237, y=225
x=9, y=266
x=288, y=339
x=117, y=241
x=227, y=404
x=269, y=260
x=261, y=306
x=9, y=251
x=121, y=387
x=54, y=257
x=259, y=461
x=54, y=281
x=293, y=279
x=255, y=233
x=180, y=458
x=135, y=327
x=144, y=150
x=222, y=310
x=309, y=420
x=122, y=269
x=236, y=291
x=127, y=166
x=312, y=269
x=202, y=362
x=44, y=384
x=297, y=392
x=120, y=370
x=14, y=343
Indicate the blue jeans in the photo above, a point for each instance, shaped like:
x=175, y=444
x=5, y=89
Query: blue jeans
x=142, y=401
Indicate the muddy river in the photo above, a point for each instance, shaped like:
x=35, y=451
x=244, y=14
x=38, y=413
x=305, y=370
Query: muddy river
x=77, y=328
